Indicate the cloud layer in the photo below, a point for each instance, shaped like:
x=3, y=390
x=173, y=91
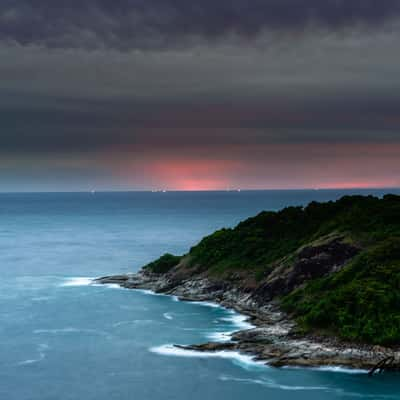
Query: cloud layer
x=261, y=93
x=143, y=24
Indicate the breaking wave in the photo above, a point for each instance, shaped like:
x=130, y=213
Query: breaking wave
x=171, y=350
x=77, y=281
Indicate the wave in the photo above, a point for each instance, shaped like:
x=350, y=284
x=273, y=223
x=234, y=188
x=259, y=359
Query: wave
x=220, y=336
x=87, y=281
x=239, y=320
x=42, y=355
x=70, y=330
x=341, y=369
x=110, y=285
x=327, y=368
x=151, y=293
x=77, y=281
x=171, y=350
x=147, y=291
x=207, y=304
x=270, y=383
x=135, y=321
x=33, y=360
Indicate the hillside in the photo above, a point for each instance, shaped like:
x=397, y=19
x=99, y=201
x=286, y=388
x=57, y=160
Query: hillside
x=335, y=266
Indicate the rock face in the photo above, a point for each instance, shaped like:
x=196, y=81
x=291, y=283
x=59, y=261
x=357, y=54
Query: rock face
x=311, y=262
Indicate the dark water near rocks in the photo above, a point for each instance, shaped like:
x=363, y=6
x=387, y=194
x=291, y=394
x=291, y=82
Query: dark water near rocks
x=62, y=339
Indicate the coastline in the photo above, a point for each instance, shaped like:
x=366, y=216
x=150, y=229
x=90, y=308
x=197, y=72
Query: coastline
x=272, y=340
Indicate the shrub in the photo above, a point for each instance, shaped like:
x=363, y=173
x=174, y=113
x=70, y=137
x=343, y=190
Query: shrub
x=164, y=264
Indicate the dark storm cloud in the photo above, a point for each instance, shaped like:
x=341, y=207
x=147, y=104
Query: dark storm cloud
x=129, y=24
x=99, y=126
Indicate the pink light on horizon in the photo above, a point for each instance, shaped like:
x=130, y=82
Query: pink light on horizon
x=272, y=166
x=194, y=174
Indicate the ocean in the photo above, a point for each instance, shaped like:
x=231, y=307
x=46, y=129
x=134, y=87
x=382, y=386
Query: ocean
x=62, y=338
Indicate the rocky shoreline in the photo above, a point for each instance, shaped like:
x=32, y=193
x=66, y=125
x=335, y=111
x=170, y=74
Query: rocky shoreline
x=274, y=339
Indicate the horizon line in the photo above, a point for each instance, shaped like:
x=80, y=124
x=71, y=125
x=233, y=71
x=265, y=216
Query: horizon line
x=94, y=191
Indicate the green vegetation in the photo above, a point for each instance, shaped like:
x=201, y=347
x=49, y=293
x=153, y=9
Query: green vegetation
x=164, y=264
x=258, y=242
x=360, y=302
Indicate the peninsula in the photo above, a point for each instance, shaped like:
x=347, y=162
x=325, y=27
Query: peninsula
x=321, y=283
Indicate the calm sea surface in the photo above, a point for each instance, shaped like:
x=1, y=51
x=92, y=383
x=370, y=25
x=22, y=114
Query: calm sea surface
x=63, y=339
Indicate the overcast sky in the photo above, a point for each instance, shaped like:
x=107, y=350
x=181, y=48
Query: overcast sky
x=181, y=94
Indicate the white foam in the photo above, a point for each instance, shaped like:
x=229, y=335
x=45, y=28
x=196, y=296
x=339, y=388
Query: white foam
x=168, y=316
x=112, y=286
x=87, y=281
x=220, y=336
x=207, y=304
x=240, y=321
x=77, y=281
x=342, y=370
x=145, y=291
x=42, y=355
x=151, y=293
x=171, y=350
x=33, y=360
x=272, y=384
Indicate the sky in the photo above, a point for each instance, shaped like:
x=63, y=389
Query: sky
x=199, y=95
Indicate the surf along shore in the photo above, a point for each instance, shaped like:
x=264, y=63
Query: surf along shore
x=273, y=339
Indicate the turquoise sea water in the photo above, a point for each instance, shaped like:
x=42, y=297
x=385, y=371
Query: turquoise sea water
x=61, y=338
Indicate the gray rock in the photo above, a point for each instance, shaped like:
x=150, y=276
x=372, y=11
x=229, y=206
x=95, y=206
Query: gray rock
x=273, y=339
